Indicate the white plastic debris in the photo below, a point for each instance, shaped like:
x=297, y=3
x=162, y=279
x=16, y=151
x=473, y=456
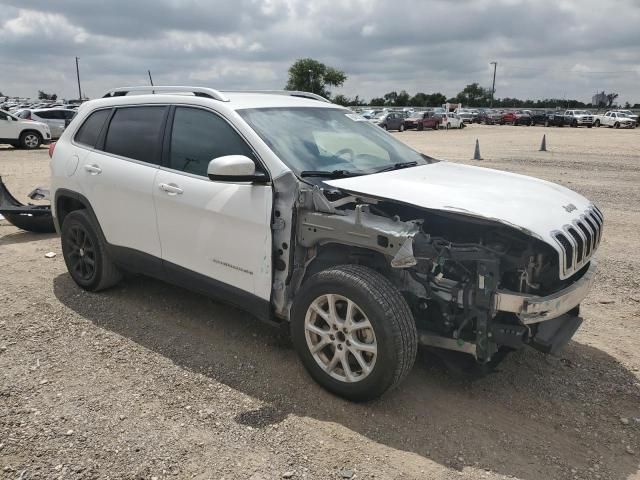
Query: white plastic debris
x=50, y=254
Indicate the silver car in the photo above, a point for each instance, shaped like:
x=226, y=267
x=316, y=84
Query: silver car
x=56, y=118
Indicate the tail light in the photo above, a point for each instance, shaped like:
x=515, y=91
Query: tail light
x=52, y=147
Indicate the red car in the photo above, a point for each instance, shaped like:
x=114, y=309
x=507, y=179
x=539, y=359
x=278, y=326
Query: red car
x=516, y=118
x=422, y=120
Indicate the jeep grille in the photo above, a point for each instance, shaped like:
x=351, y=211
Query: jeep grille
x=579, y=241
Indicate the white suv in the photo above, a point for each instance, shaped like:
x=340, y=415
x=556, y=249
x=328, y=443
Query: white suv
x=302, y=211
x=23, y=133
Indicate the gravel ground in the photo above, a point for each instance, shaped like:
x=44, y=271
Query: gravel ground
x=126, y=384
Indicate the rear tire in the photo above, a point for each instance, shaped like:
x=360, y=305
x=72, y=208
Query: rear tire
x=30, y=140
x=381, y=322
x=85, y=253
x=448, y=126
x=616, y=125
x=401, y=129
x=420, y=127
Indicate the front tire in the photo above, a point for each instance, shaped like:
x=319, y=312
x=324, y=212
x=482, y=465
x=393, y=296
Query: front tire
x=401, y=129
x=597, y=124
x=85, y=253
x=354, y=332
x=448, y=126
x=30, y=140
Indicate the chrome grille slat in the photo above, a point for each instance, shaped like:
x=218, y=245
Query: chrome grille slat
x=578, y=241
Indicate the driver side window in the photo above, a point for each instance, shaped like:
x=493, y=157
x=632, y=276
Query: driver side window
x=4, y=116
x=199, y=136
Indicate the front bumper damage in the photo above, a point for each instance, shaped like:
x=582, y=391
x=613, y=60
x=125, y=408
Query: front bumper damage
x=532, y=309
x=480, y=317
x=547, y=322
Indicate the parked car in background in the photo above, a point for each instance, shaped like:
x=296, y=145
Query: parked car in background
x=489, y=117
x=630, y=114
x=517, y=117
x=578, y=118
x=467, y=116
x=614, y=120
x=369, y=114
x=539, y=117
x=451, y=120
x=23, y=133
x=390, y=121
x=554, y=119
x=423, y=120
x=56, y=118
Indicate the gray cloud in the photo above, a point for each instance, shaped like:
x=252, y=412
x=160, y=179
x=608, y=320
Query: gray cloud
x=544, y=48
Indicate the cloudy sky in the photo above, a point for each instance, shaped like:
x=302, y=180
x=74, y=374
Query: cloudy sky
x=544, y=48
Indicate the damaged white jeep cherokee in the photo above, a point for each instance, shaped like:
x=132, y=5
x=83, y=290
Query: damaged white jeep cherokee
x=301, y=211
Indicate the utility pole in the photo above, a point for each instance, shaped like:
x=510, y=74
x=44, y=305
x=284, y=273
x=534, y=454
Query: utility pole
x=311, y=80
x=78, y=75
x=150, y=79
x=493, y=86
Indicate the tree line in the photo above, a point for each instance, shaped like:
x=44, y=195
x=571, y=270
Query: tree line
x=309, y=75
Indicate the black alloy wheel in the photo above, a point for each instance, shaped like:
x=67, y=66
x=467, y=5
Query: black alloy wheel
x=81, y=253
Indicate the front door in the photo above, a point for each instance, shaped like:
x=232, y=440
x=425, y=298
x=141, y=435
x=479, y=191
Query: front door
x=218, y=231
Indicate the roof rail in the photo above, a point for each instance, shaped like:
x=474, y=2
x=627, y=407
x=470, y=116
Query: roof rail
x=291, y=93
x=197, y=91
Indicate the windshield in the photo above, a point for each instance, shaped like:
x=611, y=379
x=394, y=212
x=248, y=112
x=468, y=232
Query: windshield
x=327, y=139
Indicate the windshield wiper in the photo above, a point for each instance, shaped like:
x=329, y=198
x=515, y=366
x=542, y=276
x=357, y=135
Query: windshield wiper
x=328, y=174
x=397, y=166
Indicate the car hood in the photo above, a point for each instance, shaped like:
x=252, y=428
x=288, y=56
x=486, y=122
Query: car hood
x=531, y=205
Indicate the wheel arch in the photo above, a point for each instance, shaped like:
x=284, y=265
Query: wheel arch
x=67, y=201
x=333, y=254
x=31, y=130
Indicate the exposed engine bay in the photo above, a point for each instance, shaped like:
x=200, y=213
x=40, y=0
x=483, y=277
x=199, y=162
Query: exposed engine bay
x=465, y=279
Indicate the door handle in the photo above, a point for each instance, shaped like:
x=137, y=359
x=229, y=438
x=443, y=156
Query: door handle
x=171, y=188
x=93, y=169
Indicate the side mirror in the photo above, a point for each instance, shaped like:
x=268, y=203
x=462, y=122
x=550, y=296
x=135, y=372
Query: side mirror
x=234, y=168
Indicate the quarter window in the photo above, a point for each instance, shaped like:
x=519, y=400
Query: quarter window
x=90, y=130
x=135, y=132
x=198, y=137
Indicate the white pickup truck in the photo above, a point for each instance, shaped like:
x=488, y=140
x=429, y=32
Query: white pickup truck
x=615, y=120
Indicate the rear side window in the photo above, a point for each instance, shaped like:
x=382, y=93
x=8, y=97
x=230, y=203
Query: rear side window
x=134, y=132
x=47, y=115
x=90, y=130
x=198, y=137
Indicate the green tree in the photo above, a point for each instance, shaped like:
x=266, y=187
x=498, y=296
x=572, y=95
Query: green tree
x=47, y=96
x=473, y=95
x=611, y=97
x=390, y=98
x=435, y=100
x=307, y=74
x=377, y=102
x=341, y=100
x=402, y=100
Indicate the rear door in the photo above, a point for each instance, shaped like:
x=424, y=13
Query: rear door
x=53, y=118
x=220, y=231
x=118, y=178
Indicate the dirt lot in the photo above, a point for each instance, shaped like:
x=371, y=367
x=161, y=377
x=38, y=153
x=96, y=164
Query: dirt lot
x=150, y=381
